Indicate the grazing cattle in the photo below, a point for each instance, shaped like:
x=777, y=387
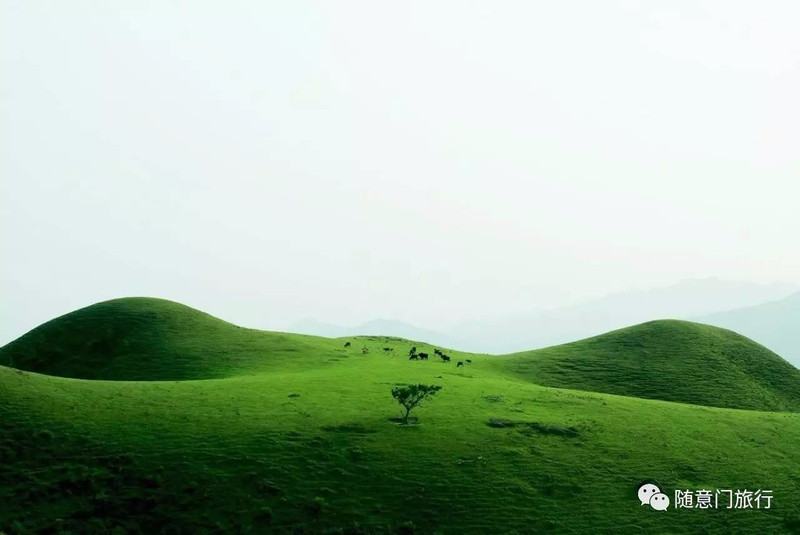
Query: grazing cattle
x=460, y=364
x=437, y=351
x=413, y=357
x=388, y=349
x=347, y=344
x=445, y=358
x=423, y=356
x=469, y=361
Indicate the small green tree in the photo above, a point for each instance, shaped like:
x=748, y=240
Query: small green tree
x=411, y=396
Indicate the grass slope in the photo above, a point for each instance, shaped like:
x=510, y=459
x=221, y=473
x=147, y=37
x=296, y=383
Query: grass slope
x=301, y=442
x=146, y=339
x=157, y=340
x=668, y=360
x=253, y=454
x=774, y=324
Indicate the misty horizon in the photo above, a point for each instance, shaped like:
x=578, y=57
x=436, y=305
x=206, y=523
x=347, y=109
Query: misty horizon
x=782, y=289
x=691, y=299
x=431, y=163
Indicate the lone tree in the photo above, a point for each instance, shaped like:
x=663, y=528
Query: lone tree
x=411, y=396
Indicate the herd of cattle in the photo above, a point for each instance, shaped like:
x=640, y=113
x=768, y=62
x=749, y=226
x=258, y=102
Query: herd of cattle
x=413, y=355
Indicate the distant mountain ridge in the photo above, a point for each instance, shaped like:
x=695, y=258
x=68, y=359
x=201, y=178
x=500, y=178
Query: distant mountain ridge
x=686, y=300
x=385, y=327
x=775, y=324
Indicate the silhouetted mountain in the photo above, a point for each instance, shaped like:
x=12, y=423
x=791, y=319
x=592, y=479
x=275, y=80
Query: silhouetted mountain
x=686, y=300
x=775, y=325
x=384, y=327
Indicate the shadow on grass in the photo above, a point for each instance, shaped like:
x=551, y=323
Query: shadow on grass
x=537, y=427
x=412, y=421
x=348, y=428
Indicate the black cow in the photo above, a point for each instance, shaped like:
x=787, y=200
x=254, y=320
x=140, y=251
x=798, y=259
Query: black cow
x=347, y=344
x=469, y=361
x=388, y=349
x=445, y=358
x=460, y=364
x=437, y=351
x=413, y=357
x=423, y=356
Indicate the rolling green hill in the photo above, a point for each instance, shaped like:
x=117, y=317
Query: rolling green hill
x=774, y=324
x=295, y=434
x=669, y=360
x=146, y=339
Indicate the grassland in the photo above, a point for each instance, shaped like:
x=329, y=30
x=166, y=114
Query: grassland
x=230, y=430
x=669, y=360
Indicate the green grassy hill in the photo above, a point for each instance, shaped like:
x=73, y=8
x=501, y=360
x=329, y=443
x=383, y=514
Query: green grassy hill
x=774, y=324
x=146, y=339
x=302, y=441
x=669, y=360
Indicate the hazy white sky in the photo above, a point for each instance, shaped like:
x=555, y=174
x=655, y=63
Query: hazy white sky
x=427, y=161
